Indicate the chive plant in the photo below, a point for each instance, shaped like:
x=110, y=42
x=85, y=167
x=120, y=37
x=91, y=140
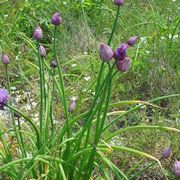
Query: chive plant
x=66, y=153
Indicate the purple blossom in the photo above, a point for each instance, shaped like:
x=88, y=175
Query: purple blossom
x=38, y=34
x=132, y=40
x=105, y=53
x=176, y=168
x=53, y=63
x=4, y=97
x=42, y=51
x=119, y=2
x=124, y=64
x=56, y=19
x=72, y=106
x=120, y=52
x=166, y=153
x=5, y=59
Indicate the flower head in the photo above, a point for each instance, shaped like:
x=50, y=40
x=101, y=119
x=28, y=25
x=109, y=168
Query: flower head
x=176, y=168
x=72, y=105
x=119, y=2
x=53, y=63
x=132, y=40
x=42, y=51
x=4, y=97
x=5, y=59
x=56, y=19
x=106, y=53
x=166, y=153
x=120, y=52
x=124, y=64
x=38, y=34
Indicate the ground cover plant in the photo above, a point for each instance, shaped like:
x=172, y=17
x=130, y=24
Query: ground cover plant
x=98, y=133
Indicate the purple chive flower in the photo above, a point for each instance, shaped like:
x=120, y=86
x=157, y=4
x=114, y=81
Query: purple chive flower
x=5, y=59
x=72, y=105
x=166, y=153
x=38, y=34
x=119, y=2
x=53, y=63
x=176, y=168
x=56, y=19
x=124, y=65
x=42, y=51
x=106, y=53
x=4, y=97
x=132, y=40
x=120, y=52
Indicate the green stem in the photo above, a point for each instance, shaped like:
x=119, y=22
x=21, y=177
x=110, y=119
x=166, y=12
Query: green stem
x=102, y=64
x=44, y=82
x=41, y=91
x=62, y=84
x=136, y=108
x=88, y=123
x=88, y=120
x=6, y=148
x=133, y=128
x=63, y=95
x=114, y=26
x=21, y=138
x=142, y=170
x=51, y=105
x=12, y=115
x=47, y=117
x=30, y=121
x=93, y=104
x=99, y=125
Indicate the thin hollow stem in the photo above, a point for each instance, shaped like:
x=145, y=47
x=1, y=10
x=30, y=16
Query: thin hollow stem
x=63, y=96
x=44, y=82
x=21, y=138
x=114, y=26
x=5, y=146
x=99, y=125
x=136, y=108
x=104, y=86
x=102, y=64
x=11, y=112
x=89, y=124
x=61, y=84
x=30, y=121
x=41, y=91
x=94, y=102
x=142, y=170
x=51, y=105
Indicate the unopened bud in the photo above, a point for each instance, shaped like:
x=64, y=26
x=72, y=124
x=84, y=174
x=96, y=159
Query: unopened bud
x=106, y=53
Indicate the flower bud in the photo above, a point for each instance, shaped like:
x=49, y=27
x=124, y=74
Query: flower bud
x=124, y=65
x=72, y=106
x=56, y=19
x=5, y=59
x=42, y=51
x=53, y=63
x=176, y=168
x=38, y=34
x=4, y=97
x=166, y=153
x=120, y=52
x=106, y=53
x=119, y=2
x=132, y=40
